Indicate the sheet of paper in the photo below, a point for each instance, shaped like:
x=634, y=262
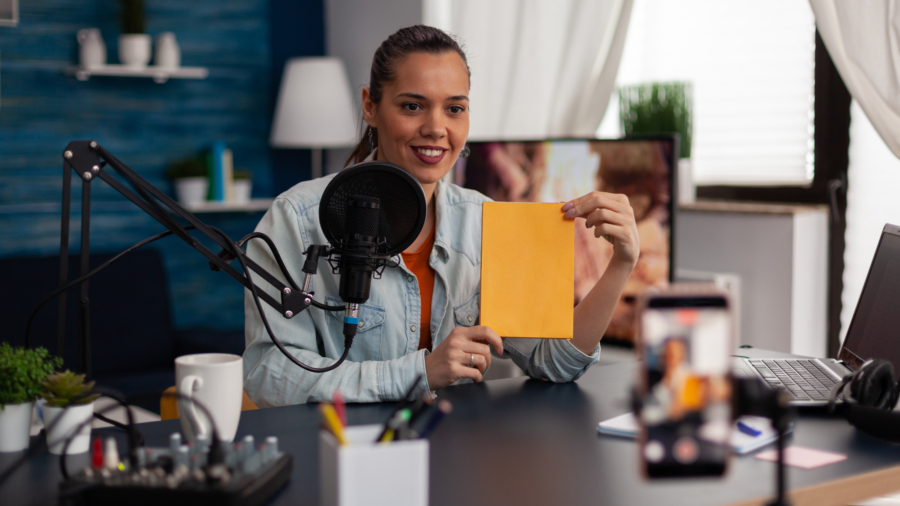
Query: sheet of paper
x=804, y=458
x=627, y=426
x=527, y=270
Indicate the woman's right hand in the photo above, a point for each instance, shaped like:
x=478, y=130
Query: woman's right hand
x=450, y=361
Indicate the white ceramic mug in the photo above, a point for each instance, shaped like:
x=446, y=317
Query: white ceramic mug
x=216, y=380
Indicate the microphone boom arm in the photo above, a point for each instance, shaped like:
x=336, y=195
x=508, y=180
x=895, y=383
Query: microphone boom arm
x=87, y=158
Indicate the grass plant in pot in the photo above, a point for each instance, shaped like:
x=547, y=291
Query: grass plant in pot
x=69, y=409
x=242, y=186
x=190, y=179
x=22, y=373
x=134, y=44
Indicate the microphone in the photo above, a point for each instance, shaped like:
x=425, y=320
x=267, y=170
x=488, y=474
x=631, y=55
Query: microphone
x=358, y=255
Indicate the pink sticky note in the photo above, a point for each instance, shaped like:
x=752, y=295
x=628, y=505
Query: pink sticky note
x=804, y=458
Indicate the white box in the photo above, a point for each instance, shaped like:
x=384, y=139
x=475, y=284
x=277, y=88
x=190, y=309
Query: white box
x=368, y=473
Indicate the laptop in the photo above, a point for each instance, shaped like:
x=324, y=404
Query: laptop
x=874, y=332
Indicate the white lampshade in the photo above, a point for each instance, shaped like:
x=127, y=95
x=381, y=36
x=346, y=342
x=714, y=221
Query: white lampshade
x=315, y=107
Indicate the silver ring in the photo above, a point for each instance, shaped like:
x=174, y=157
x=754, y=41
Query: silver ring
x=472, y=360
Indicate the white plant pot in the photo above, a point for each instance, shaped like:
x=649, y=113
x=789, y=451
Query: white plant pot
x=134, y=50
x=191, y=190
x=69, y=420
x=242, y=189
x=15, y=427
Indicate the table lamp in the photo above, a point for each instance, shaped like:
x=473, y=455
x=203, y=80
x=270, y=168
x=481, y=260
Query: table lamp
x=314, y=108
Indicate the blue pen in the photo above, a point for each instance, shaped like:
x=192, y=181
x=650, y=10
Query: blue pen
x=443, y=409
x=748, y=430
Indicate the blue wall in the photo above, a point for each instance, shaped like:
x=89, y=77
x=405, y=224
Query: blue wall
x=144, y=124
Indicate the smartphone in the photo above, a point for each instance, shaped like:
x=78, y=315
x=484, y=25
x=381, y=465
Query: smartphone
x=685, y=341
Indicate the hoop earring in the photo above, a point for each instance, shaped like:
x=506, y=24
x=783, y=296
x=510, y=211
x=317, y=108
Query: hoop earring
x=372, y=144
x=465, y=152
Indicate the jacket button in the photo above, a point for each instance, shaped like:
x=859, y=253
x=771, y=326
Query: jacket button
x=360, y=324
x=410, y=279
x=469, y=318
x=412, y=328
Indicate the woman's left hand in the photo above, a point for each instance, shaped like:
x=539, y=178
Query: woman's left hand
x=611, y=216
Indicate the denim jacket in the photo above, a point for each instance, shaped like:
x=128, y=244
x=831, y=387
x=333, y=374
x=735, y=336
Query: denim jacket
x=384, y=360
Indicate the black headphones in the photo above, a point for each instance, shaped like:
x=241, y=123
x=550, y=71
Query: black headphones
x=872, y=393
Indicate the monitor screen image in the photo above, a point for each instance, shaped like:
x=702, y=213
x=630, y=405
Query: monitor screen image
x=561, y=170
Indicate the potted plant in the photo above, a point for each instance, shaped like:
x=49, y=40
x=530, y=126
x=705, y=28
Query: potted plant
x=191, y=181
x=69, y=408
x=21, y=374
x=242, y=186
x=134, y=44
x=659, y=107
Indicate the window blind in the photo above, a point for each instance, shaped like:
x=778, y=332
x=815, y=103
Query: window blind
x=752, y=68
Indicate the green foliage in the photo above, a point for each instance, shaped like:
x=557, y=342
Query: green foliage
x=22, y=372
x=189, y=167
x=68, y=389
x=132, y=16
x=243, y=174
x=658, y=108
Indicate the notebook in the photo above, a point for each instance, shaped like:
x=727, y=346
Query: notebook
x=527, y=270
x=626, y=426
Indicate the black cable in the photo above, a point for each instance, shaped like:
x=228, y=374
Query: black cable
x=120, y=425
x=283, y=267
x=87, y=276
x=239, y=254
x=132, y=447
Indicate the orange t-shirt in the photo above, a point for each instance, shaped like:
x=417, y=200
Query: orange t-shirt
x=418, y=263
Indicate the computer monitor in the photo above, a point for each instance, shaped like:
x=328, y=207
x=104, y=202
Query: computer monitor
x=558, y=170
x=874, y=331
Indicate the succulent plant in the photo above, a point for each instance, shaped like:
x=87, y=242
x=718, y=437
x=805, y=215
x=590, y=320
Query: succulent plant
x=68, y=389
x=22, y=371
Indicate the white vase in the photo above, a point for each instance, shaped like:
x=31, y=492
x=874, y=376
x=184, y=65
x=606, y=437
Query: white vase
x=167, y=54
x=242, y=189
x=69, y=420
x=91, y=49
x=15, y=426
x=191, y=190
x=134, y=50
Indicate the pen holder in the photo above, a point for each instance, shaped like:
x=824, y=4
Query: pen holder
x=364, y=472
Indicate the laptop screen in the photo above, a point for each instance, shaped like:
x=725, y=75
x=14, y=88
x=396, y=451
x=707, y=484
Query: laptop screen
x=875, y=329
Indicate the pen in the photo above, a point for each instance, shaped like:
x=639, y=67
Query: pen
x=340, y=407
x=394, y=425
x=332, y=422
x=420, y=407
x=401, y=405
x=746, y=429
x=443, y=409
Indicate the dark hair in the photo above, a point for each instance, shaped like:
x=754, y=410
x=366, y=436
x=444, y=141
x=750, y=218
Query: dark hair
x=412, y=39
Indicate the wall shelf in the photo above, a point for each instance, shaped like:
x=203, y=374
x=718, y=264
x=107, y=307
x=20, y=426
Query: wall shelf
x=159, y=74
x=252, y=205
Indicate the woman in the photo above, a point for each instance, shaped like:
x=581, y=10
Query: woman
x=421, y=317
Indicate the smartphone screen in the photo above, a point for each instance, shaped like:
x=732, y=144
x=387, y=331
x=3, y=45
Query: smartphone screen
x=685, y=386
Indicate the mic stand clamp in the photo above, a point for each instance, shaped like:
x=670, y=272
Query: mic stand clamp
x=752, y=397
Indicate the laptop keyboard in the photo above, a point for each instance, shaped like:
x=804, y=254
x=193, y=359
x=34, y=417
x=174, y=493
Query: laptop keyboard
x=806, y=380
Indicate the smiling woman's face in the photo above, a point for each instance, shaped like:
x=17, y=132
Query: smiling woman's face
x=422, y=120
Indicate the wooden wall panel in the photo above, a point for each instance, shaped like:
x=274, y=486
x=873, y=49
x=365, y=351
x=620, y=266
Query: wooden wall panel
x=144, y=124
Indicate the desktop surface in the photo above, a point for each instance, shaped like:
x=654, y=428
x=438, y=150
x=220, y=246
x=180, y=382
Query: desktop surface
x=521, y=441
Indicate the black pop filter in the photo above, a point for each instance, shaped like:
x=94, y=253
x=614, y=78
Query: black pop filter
x=402, y=203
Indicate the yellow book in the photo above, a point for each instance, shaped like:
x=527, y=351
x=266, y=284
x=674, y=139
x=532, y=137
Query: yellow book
x=527, y=270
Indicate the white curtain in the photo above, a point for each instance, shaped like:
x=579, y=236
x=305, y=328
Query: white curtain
x=540, y=68
x=863, y=39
